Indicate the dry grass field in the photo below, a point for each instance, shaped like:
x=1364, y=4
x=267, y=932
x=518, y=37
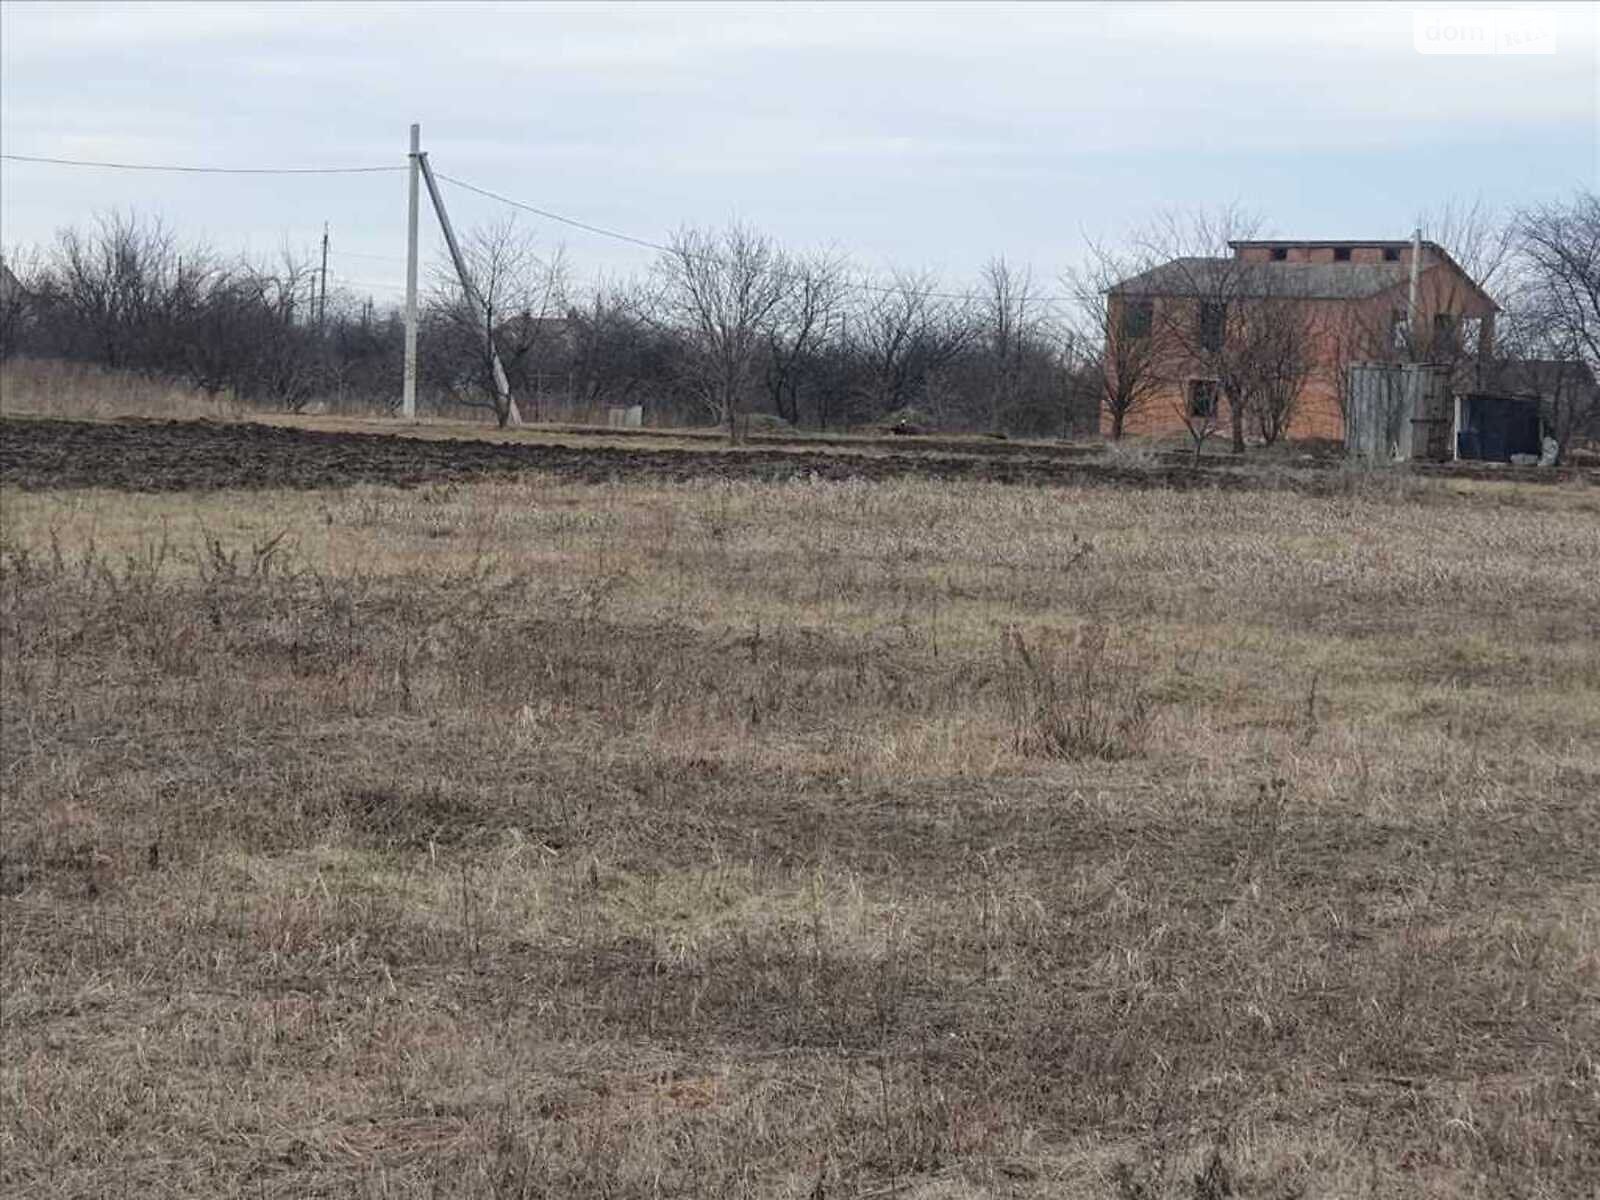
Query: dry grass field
x=77, y=391
x=801, y=839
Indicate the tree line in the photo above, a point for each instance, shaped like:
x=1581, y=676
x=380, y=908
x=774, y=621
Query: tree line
x=126, y=294
x=727, y=326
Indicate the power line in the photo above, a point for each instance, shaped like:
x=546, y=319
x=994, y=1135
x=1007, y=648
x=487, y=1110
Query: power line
x=587, y=227
x=645, y=242
x=880, y=289
x=388, y=258
x=121, y=166
x=548, y=215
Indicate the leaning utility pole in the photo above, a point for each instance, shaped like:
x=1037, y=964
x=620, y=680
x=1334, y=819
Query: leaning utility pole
x=502, y=387
x=408, y=395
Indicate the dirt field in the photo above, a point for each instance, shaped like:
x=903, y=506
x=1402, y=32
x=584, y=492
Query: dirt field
x=185, y=456
x=202, y=456
x=410, y=818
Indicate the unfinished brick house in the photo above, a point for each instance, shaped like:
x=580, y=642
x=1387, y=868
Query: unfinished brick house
x=1348, y=302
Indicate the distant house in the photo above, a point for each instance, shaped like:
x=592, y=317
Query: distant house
x=1355, y=299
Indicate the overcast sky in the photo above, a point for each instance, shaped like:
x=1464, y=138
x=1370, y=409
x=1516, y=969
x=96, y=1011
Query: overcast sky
x=909, y=134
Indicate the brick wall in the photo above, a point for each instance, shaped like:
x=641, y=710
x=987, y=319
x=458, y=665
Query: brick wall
x=1346, y=331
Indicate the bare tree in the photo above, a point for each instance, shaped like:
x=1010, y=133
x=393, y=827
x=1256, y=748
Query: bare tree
x=221, y=333
x=614, y=351
x=1061, y=385
x=360, y=353
x=109, y=290
x=517, y=313
x=19, y=277
x=1199, y=406
x=722, y=291
x=1229, y=319
x=1126, y=360
x=1559, y=300
x=1243, y=329
x=1011, y=317
x=808, y=315
x=1278, y=345
x=278, y=359
x=902, y=336
x=1481, y=241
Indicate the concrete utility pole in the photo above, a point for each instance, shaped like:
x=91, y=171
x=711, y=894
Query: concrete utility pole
x=322, y=303
x=1416, y=281
x=408, y=396
x=502, y=386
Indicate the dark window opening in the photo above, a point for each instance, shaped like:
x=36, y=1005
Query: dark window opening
x=1280, y=253
x=1391, y=254
x=1341, y=254
x=1445, y=333
x=1137, y=317
x=1213, y=319
x=1202, y=397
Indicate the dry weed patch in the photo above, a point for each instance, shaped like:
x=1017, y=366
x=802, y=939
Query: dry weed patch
x=813, y=839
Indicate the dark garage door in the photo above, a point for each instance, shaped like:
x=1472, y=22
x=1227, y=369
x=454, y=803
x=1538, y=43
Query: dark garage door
x=1494, y=428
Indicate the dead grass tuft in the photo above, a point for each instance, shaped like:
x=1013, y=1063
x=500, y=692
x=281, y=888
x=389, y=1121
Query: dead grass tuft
x=1073, y=698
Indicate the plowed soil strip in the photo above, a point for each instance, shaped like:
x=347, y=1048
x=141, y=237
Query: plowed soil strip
x=185, y=456
x=201, y=456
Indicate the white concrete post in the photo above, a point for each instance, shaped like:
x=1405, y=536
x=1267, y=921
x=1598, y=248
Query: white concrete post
x=408, y=398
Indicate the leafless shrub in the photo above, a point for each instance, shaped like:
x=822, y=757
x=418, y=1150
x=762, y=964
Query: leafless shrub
x=1074, y=698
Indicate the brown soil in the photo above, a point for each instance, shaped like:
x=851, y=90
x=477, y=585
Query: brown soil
x=168, y=456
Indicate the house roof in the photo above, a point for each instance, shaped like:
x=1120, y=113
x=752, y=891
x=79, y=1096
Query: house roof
x=1233, y=276
x=1540, y=377
x=1315, y=243
x=1439, y=253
